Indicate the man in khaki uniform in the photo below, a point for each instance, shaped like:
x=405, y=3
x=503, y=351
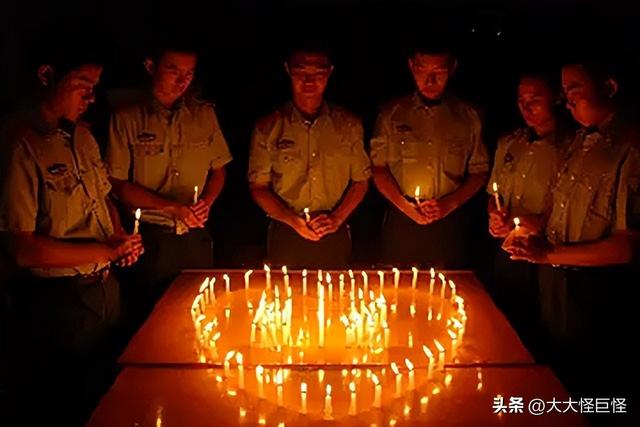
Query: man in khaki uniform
x=65, y=235
x=428, y=160
x=159, y=150
x=525, y=168
x=308, y=154
x=591, y=231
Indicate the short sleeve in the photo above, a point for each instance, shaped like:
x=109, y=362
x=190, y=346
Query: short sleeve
x=19, y=200
x=259, y=158
x=221, y=154
x=118, y=155
x=379, y=150
x=479, y=158
x=627, y=204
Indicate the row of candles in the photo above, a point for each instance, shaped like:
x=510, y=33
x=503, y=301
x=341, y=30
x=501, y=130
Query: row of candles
x=279, y=376
x=365, y=324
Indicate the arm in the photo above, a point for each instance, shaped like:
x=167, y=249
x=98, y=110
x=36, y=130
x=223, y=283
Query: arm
x=213, y=185
x=30, y=250
x=273, y=206
x=615, y=249
x=351, y=200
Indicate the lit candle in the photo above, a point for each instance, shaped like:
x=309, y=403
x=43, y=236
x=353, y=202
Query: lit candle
x=204, y=289
x=429, y=355
x=227, y=359
x=381, y=277
x=307, y=217
x=387, y=333
x=341, y=279
x=227, y=284
x=328, y=407
x=416, y=194
x=412, y=381
x=212, y=290
x=195, y=194
x=453, y=290
x=516, y=222
x=303, y=398
x=365, y=279
x=440, y=352
x=259, y=373
x=432, y=273
x=396, y=278
x=396, y=371
x=453, y=337
x=414, y=280
x=353, y=280
x=352, y=403
x=329, y=287
x=267, y=272
x=304, y=282
x=279, y=390
x=246, y=279
x=136, y=225
x=239, y=361
x=496, y=196
x=443, y=284
x=321, y=315
x=377, y=399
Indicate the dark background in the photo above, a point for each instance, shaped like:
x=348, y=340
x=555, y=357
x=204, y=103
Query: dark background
x=243, y=44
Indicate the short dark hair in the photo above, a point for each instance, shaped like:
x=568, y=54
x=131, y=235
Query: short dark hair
x=156, y=52
x=550, y=77
x=600, y=68
x=65, y=58
x=309, y=46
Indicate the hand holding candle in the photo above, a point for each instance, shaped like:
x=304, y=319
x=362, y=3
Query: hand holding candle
x=416, y=195
x=136, y=225
x=496, y=196
x=307, y=217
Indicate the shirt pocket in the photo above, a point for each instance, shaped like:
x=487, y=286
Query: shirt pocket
x=596, y=190
x=287, y=160
x=147, y=148
x=455, y=159
x=65, y=202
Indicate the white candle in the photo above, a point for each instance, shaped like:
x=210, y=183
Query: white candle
x=381, y=278
x=387, y=333
x=227, y=284
x=286, y=277
x=212, y=290
x=415, y=278
x=303, y=398
x=396, y=278
x=365, y=279
x=377, y=399
x=239, y=361
x=267, y=272
x=259, y=373
x=329, y=287
x=204, y=289
x=195, y=194
x=353, y=281
x=396, y=371
x=341, y=278
x=307, y=217
x=496, y=196
x=328, y=407
x=453, y=290
x=136, y=225
x=432, y=273
x=412, y=381
x=321, y=315
x=279, y=390
x=352, y=402
x=416, y=194
x=246, y=279
x=304, y=282
x=443, y=284
x=440, y=352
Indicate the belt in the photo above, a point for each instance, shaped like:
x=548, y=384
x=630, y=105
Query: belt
x=100, y=275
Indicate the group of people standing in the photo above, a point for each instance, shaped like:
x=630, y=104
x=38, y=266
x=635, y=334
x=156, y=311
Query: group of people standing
x=574, y=190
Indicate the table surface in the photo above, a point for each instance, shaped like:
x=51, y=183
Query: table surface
x=164, y=383
x=167, y=337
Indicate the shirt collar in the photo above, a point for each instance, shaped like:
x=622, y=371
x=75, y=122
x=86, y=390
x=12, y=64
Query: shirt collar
x=420, y=102
x=295, y=116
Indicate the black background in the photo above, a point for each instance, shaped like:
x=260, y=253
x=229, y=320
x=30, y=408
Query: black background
x=243, y=45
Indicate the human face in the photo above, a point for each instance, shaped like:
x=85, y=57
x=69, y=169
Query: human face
x=309, y=73
x=536, y=101
x=431, y=73
x=584, y=100
x=173, y=74
x=74, y=93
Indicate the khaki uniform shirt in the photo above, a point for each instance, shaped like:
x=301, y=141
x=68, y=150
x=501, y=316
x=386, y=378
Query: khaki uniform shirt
x=308, y=164
x=434, y=147
x=525, y=169
x=167, y=151
x=56, y=186
x=596, y=191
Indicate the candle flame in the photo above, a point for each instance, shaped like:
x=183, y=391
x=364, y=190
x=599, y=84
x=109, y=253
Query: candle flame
x=351, y=274
x=352, y=387
x=408, y=363
x=394, y=368
x=284, y=270
x=304, y=273
x=495, y=187
x=427, y=352
x=516, y=221
x=452, y=335
x=229, y=355
x=204, y=286
x=259, y=370
x=417, y=192
x=439, y=346
x=239, y=358
x=303, y=387
x=441, y=277
x=432, y=272
x=328, y=277
x=375, y=379
x=328, y=389
x=267, y=269
x=138, y=213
